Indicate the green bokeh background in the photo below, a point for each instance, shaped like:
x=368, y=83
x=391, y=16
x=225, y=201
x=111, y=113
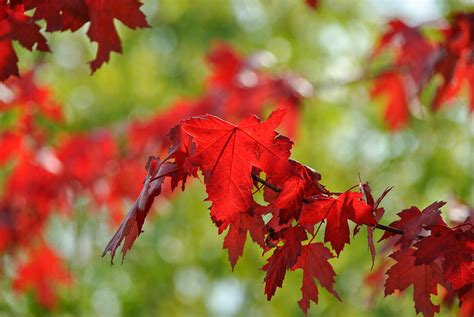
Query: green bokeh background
x=177, y=267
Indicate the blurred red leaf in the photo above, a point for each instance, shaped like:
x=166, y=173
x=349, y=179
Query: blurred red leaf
x=313, y=4
x=456, y=67
x=42, y=273
x=397, y=112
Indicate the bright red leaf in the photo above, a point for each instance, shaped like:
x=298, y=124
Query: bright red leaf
x=313, y=260
x=299, y=183
x=235, y=240
x=337, y=212
x=226, y=154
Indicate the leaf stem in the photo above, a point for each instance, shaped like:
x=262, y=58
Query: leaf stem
x=306, y=201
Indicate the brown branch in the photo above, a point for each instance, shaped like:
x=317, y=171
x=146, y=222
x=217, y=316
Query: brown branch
x=264, y=182
x=389, y=229
x=306, y=201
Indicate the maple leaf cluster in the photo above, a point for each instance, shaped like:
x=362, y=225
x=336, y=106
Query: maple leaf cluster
x=236, y=160
x=48, y=172
x=20, y=21
x=420, y=60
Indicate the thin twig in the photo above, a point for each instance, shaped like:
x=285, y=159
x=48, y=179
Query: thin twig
x=305, y=201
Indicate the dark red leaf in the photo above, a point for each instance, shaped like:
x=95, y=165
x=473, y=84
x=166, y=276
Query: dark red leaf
x=413, y=222
x=455, y=248
x=424, y=278
x=16, y=26
x=377, y=212
x=102, y=30
x=131, y=226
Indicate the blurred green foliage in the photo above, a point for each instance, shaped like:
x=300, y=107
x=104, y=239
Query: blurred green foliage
x=177, y=267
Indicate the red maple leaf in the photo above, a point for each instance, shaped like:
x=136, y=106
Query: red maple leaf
x=455, y=248
x=413, y=65
x=32, y=101
x=337, y=212
x=283, y=258
x=131, y=226
x=226, y=154
x=301, y=181
x=16, y=26
x=313, y=260
x=413, y=222
x=102, y=30
x=60, y=15
x=424, y=278
x=234, y=242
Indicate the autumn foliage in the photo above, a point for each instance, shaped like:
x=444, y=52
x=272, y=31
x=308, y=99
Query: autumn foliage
x=420, y=60
x=19, y=21
x=253, y=185
x=234, y=158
